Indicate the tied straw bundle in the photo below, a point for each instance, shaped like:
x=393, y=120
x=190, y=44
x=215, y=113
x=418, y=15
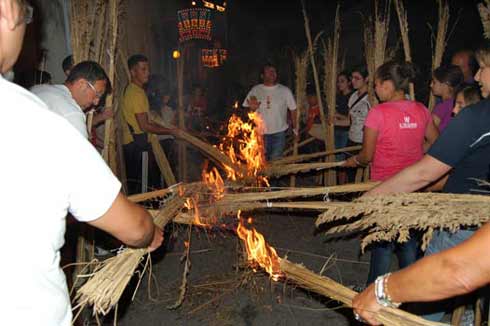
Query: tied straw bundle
x=403, y=20
x=375, y=40
x=301, y=69
x=440, y=41
x=484, y=10
x=392, y=217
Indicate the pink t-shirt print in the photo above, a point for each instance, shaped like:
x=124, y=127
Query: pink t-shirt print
x=401, y=129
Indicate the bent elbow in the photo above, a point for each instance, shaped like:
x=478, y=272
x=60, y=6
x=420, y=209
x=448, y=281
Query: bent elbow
x=142, y=235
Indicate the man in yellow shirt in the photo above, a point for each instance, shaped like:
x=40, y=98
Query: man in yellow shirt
x=135, y=108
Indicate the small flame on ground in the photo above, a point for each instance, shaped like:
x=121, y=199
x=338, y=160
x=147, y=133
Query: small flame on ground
x=258, y=250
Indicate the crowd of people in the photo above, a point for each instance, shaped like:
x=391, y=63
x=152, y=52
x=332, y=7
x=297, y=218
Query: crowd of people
x=407, y=147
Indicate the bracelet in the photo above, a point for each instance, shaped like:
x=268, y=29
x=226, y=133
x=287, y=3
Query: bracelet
x=381, y=292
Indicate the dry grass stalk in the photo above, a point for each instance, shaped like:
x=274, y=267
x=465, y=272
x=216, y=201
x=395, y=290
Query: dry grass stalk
x=286, y=169
x=311, y=52
x=327, y=287
x=106, y=285
x=331, y=56
x=301, y=69
x=181, y=188
x=440, y=41
x=403, y=20
x=304, y=157
x=298, y=192
x=392, y=217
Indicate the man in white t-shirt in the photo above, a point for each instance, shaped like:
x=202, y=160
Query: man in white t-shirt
x=272, y=101
x=60, y=169
x=84, y=86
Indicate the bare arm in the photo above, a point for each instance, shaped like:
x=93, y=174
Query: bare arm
x=413, y=178
x=431, y=134
x=437, y=120
x=368, y=148
x=341, y=120
x=452, y=272
x=102, y=116
x=130, y=223
x=147, y=126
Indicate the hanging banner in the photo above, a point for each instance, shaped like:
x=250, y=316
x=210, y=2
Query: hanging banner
x=194, y=24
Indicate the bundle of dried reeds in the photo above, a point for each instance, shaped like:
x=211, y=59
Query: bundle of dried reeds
x=106, y=285
x=440, y=41
x=286, y=169
x=328, y=287
x=331, y=58
x=484, y=10
x=301, y=69
x=375, y=40
x=391, y=217
x=403, y=20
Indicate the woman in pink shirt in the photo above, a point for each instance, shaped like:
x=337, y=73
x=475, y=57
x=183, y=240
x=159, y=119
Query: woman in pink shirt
x=395, y=135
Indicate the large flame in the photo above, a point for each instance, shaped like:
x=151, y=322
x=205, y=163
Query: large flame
x=244, y=146
x=258, y=250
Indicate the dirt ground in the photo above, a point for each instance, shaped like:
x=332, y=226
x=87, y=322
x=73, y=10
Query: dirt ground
x=222, y=290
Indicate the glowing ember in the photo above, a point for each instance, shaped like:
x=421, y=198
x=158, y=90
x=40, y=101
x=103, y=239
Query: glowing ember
x=259, y=251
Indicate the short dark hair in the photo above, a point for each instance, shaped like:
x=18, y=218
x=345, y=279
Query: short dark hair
x=400, y=73
x=471, y=94
x=347, y=74
x=67, y=63
x=450, y=75
x=361, y=69
x=89, y=70
x=135, y=59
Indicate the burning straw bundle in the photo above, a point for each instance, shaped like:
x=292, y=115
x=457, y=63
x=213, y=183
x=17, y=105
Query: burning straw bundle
x=375, y=40
x=441, y=41
x=330, y=88
x=392, y=217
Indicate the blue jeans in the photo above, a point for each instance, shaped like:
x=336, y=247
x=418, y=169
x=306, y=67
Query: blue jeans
x=442, y=240
x=274, y=145
x=341, y=139
x=381, y=254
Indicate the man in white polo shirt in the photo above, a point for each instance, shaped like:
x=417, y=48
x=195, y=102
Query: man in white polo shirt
x=49, y=171
x=272, y=101
x=84, y=86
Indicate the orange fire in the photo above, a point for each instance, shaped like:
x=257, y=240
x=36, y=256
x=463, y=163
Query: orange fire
x=192, y=204
x=214, y=182
x=259, y=251
x=244, y=146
